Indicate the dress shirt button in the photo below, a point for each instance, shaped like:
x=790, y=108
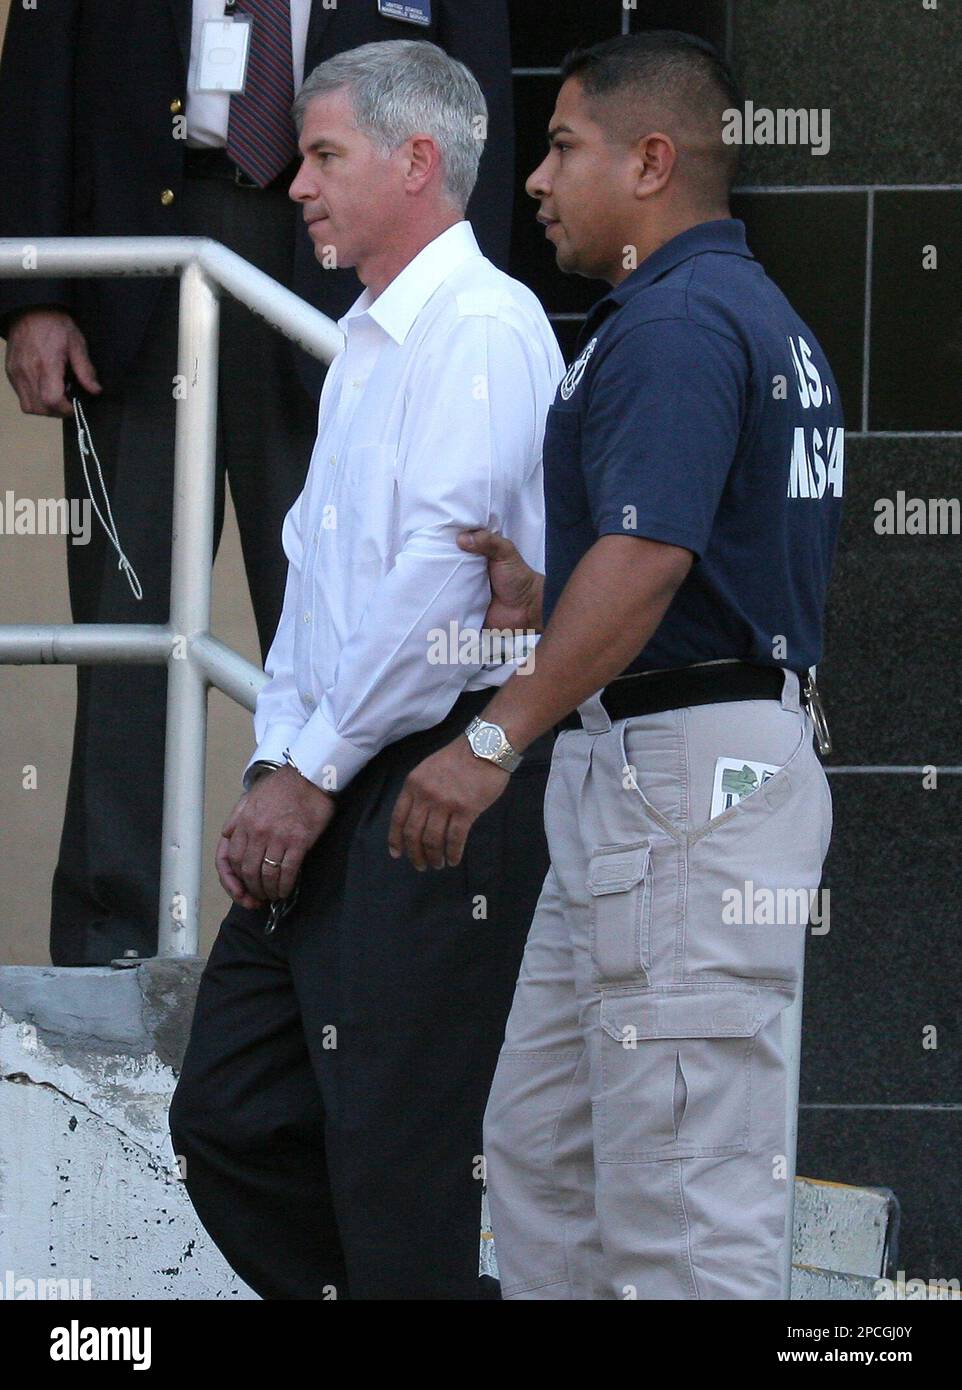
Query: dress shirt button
x=332, y=460
x=307, y=617
x=176, y=106
x=317, y=537
x=167, y=197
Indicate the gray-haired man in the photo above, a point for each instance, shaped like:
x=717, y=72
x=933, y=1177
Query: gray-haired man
x=329, y=1110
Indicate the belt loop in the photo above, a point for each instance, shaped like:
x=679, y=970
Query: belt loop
x=594, y=717
x=790, y=691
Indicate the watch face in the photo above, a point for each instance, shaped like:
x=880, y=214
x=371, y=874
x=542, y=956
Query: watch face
x=487, y=741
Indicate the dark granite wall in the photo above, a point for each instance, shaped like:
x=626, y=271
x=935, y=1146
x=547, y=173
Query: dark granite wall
x=845, y=234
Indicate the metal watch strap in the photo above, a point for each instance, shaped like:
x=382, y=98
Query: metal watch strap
x=506, y=758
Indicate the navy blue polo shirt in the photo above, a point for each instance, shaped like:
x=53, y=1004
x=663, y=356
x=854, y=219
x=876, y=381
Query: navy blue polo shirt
x=701, y=411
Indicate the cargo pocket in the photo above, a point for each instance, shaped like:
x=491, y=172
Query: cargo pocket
x=619, y=882
x=676, y=1073
x=753, y=878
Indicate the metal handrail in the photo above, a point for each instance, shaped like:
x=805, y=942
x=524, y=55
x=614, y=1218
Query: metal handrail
x=194, y=658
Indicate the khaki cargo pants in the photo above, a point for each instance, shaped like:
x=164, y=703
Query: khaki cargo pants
x=635, y=1133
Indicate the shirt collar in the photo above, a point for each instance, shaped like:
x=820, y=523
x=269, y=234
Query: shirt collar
x=726, y=235
x=398, y=305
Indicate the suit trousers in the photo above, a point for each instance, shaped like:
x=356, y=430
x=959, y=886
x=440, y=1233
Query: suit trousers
x=106, y=884
x=328, y=1112
x=635, y=1134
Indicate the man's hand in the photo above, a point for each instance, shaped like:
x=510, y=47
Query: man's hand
x=516, y=588
x=40, y=344
x=440, y=800
x=280, y=818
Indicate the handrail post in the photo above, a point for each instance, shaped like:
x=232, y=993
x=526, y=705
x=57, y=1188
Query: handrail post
x=195, y=660
x=190, y=590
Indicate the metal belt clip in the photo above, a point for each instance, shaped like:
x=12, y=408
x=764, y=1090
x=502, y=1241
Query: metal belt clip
x=817, y=710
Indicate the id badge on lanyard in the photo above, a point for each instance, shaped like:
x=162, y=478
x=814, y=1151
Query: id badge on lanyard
x=224, y=48
x=408, y=11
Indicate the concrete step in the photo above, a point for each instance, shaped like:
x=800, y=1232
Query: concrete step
x=846, y=1229
x=820, y=1284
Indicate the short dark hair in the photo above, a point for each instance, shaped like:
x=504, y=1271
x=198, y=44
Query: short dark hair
x=685, y=73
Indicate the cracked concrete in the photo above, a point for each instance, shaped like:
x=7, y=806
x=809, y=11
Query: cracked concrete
x=21, y=1078
x=90, y=1189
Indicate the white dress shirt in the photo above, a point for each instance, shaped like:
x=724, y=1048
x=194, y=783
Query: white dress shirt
x=430, y=420
x=207, y=113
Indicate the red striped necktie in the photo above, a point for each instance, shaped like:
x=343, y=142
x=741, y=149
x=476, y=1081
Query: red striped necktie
x=260, y=133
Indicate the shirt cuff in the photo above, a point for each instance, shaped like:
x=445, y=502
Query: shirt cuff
x=323, y=757
x=272, y=745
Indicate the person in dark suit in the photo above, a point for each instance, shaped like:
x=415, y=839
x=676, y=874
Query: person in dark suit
x=103, y=132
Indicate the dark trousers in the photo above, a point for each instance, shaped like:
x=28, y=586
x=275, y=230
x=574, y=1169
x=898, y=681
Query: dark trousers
x=106, y=884
x=329, y=1110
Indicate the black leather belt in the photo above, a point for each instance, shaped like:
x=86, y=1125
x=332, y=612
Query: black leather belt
x=650, y=692
x=214, y=163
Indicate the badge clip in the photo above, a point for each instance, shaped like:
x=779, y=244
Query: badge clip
x=816, y=709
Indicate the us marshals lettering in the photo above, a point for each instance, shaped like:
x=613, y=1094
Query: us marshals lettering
x=810, y=390
x=576, y=371
x=817, y=461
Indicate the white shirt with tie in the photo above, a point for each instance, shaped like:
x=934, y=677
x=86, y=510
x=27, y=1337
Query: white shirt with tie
x=430, y=420
x=207, y=114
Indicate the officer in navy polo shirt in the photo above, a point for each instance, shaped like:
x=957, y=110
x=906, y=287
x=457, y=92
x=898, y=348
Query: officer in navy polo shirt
x=635, y=1136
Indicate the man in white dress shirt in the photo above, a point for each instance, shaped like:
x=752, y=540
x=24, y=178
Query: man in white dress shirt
x=110, y=126
x=329, y=1109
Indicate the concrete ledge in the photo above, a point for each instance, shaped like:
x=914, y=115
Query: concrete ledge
x=133, y=1012
x=91, y=1197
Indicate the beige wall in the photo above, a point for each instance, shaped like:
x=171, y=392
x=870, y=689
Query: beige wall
x=37, y=703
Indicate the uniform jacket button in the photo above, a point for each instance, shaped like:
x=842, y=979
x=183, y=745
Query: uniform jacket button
x=167, y=197
x=176, y=106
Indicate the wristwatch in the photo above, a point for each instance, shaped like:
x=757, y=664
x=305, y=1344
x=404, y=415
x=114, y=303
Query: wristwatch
x=489, y=741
